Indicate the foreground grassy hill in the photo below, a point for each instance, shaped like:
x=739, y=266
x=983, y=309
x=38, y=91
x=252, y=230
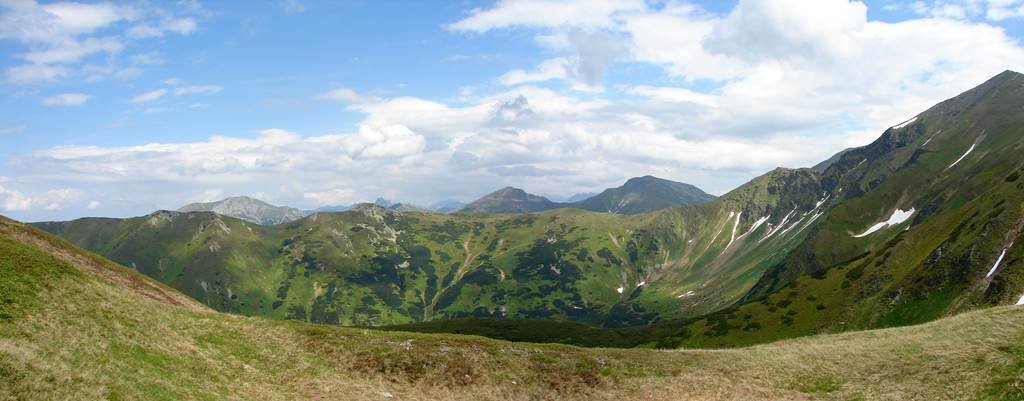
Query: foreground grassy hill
x=76, y=326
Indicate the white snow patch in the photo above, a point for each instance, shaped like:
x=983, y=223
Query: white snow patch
x=620, y=289
x=641, y=283
x=998, y=261
x=861, y=162
x=734, y=226
x=687, y=294
x=757, y=224
x=780, y=227
x=905, y=123
x=1021, y=302
x=820, y=202
x=930, y=138
x=815, y=217
x=962, y=157
x=689, y=241
x=898, y=216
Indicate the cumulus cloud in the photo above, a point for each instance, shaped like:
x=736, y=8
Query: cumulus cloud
x=54, y=199
x=66, y=99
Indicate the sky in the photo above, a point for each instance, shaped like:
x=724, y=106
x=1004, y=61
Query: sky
x=123, y=108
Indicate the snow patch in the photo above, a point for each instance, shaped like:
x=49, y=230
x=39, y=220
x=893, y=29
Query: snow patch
x=905, y=123
x=734, y=226
x=898, y=216
x=757, y=224
x=687, y=294
x=782, y=224
x=930, y=138
x=1021, y=302
x=969, y=150
x=641, y=283
x=619, y=290
x=998, y=261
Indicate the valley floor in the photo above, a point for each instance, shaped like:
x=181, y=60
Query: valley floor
x=75, y=326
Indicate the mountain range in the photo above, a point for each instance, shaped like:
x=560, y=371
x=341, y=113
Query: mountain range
x=923, y=223
x=638, y=195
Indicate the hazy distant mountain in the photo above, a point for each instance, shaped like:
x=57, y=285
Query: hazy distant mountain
x=509, y=200
x=580, y=196
x=447, y=205
x=644, y=194
x=248, y=209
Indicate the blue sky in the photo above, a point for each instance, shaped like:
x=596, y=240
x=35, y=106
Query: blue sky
x=122, y=108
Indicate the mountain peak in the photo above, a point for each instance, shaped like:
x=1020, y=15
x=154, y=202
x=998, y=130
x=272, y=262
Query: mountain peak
x=248, y=209
x=644, y=194
x=509, y=200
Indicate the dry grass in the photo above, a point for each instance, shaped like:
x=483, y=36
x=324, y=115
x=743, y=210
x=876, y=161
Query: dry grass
x=95, y=338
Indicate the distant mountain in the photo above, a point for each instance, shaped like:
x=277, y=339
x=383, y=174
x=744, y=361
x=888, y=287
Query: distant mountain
x=408, y=207
x=331, y=209
x=581, y=196
x=447, y=206
x=644, y=194
x=637, y=195
x=509, y=200
x=248, y=209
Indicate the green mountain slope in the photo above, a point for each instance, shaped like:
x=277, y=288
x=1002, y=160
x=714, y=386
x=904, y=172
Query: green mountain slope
x=75, y=326
x=509, y=200
x=248, y=209
x=948, y=183
x=644, y=194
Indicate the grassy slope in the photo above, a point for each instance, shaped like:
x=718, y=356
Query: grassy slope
x=77, y=327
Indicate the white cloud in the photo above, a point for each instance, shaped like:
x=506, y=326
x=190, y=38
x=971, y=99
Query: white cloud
x=332, y=197
x=16, y=201
x=197, y=90
x=673, y=95
x=293, y=6
x=60, y=35
x=346, y=95
x=550, y=69
x=93, y=205
x=149, y=96
x=546, y=14
x=29, y=73
x=66, y=99
x=181, y=26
